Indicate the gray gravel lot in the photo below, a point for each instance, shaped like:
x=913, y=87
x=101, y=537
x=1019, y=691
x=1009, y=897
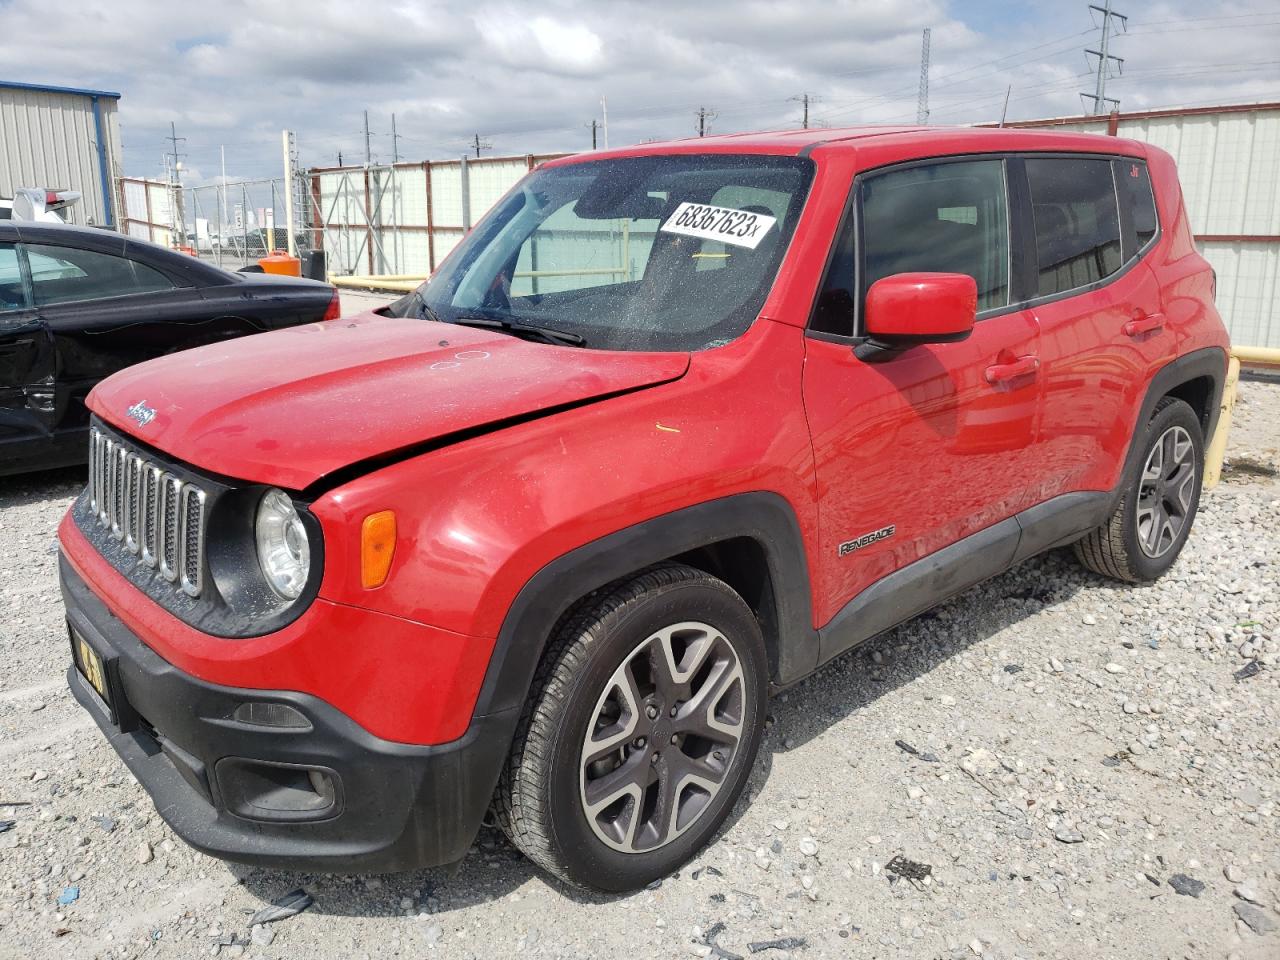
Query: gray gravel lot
x=1089, y=780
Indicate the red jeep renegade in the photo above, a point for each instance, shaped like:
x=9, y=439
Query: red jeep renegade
x=672, y=427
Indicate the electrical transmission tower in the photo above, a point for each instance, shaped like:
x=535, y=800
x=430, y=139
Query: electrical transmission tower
x=1105, y=59
x=922, y=105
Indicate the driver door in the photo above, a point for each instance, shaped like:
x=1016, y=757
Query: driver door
x=26, y=358
x=917, y=449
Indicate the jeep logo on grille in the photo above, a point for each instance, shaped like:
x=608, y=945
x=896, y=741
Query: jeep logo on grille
x=142, y=413
x=867, y=539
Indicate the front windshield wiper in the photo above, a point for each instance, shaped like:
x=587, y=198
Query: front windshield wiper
x=549, y=334
x=424, y=309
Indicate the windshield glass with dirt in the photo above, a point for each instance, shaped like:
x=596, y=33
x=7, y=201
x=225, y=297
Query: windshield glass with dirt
x=645, y=253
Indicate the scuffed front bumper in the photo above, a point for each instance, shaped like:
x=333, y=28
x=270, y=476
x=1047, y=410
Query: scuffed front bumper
x=239, y=790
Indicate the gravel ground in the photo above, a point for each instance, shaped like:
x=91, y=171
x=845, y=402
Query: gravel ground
x=1078, y=763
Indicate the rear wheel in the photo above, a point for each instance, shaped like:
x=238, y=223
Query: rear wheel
x=640, y=732
x=1145, y=533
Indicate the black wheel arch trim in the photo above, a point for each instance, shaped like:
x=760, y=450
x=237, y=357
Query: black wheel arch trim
x=765, y=518
x=1210, y=362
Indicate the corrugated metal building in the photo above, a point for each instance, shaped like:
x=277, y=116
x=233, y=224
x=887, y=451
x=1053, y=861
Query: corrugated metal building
x=1229, y=163
x=61, y=138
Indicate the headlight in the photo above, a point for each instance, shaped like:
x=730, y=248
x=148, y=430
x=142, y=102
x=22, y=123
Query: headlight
x=283, y=550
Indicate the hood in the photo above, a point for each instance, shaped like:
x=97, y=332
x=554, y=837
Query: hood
x=289, y=407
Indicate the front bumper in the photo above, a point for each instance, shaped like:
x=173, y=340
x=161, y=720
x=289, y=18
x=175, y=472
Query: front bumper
x=238, y=790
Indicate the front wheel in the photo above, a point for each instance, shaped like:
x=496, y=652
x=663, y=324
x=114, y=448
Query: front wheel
x=1146, y=532
x=640, y=732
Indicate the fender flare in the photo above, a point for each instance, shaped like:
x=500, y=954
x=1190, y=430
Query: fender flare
x=1208, y=362
x=766, y=518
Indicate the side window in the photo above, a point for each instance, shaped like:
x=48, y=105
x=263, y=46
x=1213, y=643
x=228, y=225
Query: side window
x=13, y=295
x=149, y=280
x=67, y=275
x=1133, y=183
x=1077, y=222
x=833, y=313
x=945, y=218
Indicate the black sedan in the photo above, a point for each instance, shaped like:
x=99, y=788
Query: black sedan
x=78, y=304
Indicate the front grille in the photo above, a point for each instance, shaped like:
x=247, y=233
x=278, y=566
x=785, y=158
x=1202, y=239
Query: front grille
x=153, y=514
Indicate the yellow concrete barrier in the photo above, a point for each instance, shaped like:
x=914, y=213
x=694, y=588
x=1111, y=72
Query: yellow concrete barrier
x=398, y=283
x=1264, y=357
x=1218, y=446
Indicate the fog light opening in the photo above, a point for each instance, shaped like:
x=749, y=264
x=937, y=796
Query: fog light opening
x=264, y=713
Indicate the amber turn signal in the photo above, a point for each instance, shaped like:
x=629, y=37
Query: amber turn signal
x=377, y=547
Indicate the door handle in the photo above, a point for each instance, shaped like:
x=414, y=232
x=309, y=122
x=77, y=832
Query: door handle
x=999, y=373
x=1145, y=324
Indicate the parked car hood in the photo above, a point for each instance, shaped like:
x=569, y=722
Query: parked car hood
x=292, y=406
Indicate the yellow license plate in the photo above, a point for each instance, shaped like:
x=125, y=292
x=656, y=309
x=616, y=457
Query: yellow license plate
x=90, y=666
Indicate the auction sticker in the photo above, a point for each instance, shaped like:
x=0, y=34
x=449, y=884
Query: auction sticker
x=738, y=227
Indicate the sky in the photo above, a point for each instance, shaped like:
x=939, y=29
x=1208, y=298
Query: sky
x=529, y=77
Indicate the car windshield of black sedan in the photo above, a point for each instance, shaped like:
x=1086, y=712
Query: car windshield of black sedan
x=643, y=253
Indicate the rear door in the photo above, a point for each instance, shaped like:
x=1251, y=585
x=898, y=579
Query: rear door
x=26, y=356
x=921, y=448
x=105, y=312
x=1098, y=304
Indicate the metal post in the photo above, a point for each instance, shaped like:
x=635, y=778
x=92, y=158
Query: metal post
x=290, y=242
x=368, y=152
x=466, y=194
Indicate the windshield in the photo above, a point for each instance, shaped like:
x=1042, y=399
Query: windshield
x=645, y=253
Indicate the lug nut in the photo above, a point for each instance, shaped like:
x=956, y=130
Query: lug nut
x=674, y=711
x=654, y=758
x=640, y=742
x=675, y=738
x=651, y=712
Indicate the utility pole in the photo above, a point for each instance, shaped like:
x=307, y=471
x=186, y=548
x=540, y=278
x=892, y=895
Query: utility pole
x=479, y=145
x=922, y=103
x=1105, y=59
x=1005, y=112
x=175, y=186
x=339, y=158
x=805, y=99
x=594, y=124
x=604, y=110
x=395, y=141
x=368, y=152
x=703, y=116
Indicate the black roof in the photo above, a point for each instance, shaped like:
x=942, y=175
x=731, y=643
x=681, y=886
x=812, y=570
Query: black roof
x=177, y=265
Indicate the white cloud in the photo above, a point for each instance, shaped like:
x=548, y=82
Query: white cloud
x=528, y=77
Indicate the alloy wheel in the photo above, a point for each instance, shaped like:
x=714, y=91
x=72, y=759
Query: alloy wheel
x=662, y=737
x=1165, y=492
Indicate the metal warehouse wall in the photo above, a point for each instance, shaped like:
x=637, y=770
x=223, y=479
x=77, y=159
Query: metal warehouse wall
x=49, y=138
x=1229, y=163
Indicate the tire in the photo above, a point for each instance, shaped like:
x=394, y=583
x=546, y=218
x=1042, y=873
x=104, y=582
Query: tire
x=552, y=804
x=1135, y=545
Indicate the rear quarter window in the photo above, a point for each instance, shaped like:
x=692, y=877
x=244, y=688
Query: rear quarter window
x=1133, y=185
